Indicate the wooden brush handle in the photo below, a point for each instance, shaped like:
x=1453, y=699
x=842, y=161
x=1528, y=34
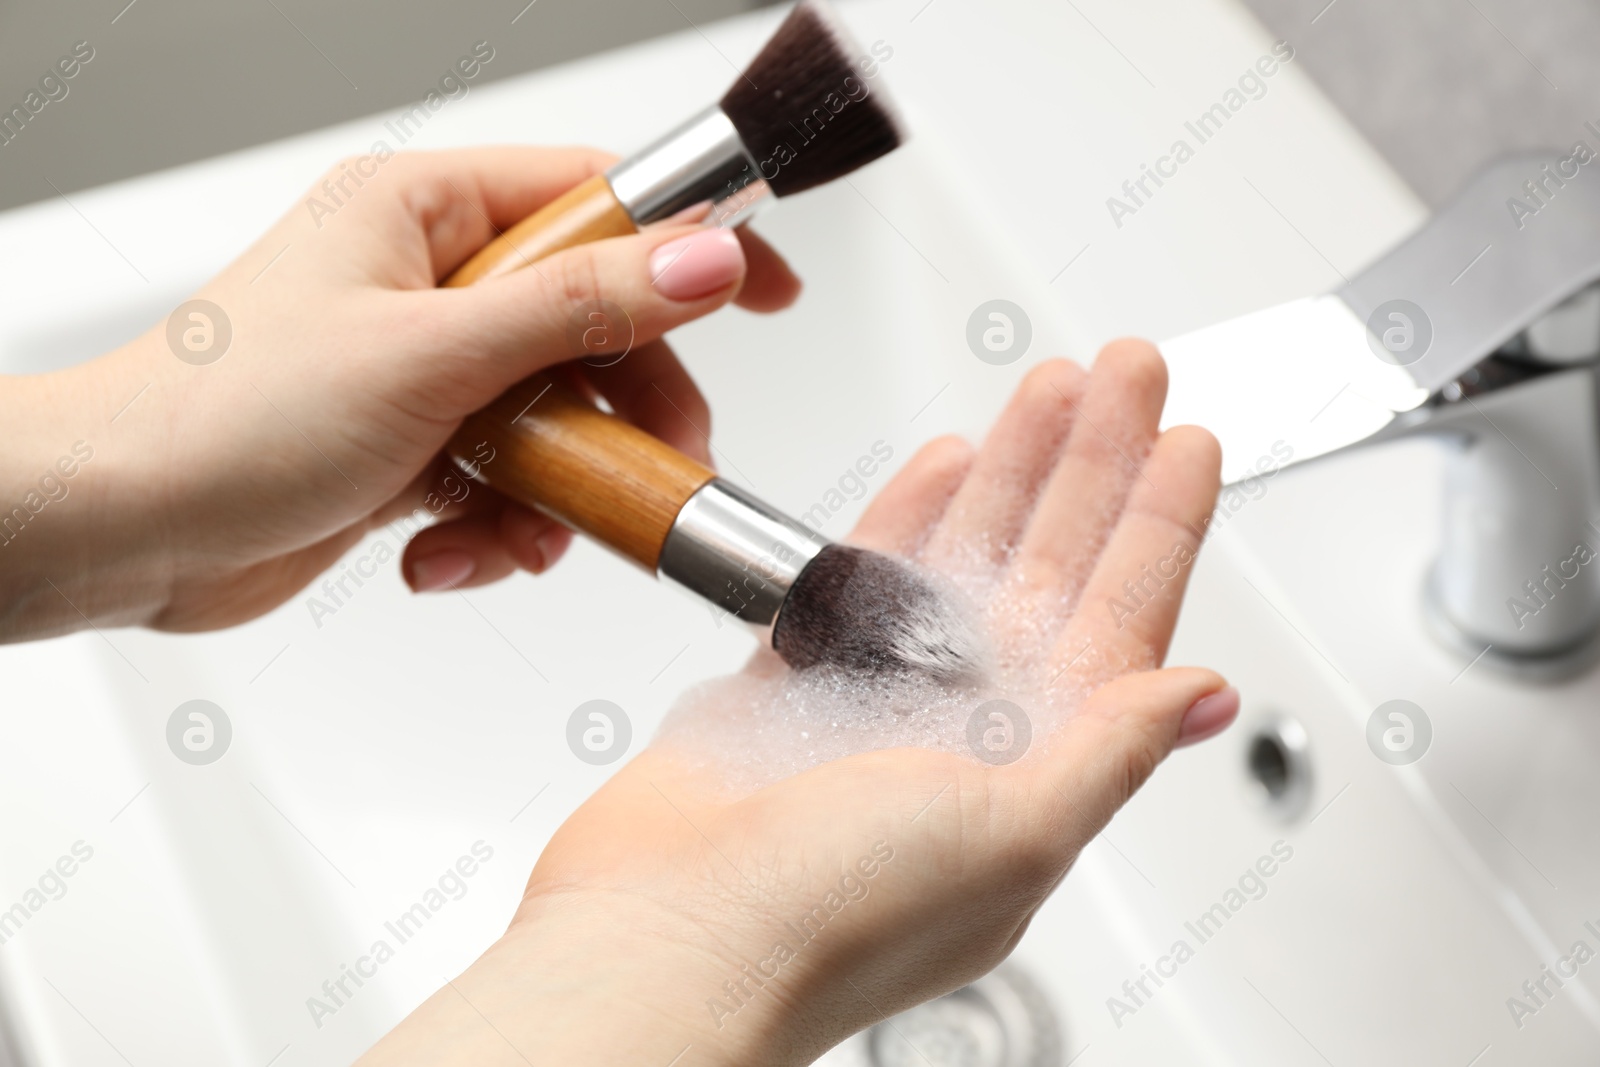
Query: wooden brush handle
x=555, y=451
x=584, y=213
x=542, y=443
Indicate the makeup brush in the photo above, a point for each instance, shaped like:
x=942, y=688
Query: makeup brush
x=800, y=115
x=803, y=113
x=547, y=446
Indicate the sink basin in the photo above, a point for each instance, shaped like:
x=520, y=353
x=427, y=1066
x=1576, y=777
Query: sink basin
x=1406, y=904
x=372, y=748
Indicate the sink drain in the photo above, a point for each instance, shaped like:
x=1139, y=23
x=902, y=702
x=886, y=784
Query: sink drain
x=1001, y=1020
x=1278, y=764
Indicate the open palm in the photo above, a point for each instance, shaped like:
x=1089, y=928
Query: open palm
x=833, y=897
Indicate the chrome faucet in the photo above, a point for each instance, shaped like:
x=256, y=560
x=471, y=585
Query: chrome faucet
x=1482, y=327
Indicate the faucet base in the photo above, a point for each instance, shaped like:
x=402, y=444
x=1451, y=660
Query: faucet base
x=1541, y=668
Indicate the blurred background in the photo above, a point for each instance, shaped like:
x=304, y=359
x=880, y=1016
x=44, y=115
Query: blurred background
x=1442, y=86
x=1439, y=86
x=178, y=81
x=371, y=750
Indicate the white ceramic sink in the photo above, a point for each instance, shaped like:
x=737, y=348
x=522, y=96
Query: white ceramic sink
x=372, y=751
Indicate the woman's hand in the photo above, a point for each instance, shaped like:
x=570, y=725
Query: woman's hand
x=672, y=916
x=226, y=486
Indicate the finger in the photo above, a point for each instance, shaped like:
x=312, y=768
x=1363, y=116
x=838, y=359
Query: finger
x=993, y=504
x=1114, y=429
x=458, y=554
x=462, y=199
x=535, y=540
x=651, y=389
x=1123, y=731
x=499, y=331
x=1130, y=605
x=482, y=547
x=901, y=516
x=1208, y=717
x=770, y=285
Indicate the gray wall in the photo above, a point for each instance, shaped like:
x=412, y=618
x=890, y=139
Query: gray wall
x=177, y=80
x=1438, y=86
x=1441, y=86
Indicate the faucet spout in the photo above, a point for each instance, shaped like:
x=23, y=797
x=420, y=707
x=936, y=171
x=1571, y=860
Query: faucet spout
x=1482, y=329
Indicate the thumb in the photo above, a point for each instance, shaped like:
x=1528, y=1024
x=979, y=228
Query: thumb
x=1126, y=728
x=595, y=300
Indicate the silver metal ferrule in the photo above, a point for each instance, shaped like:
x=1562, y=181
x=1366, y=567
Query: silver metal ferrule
x=737, y=552
x=701, y=162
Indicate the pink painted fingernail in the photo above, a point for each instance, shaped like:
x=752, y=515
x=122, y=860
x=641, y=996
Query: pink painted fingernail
x=697, y=265
x=1208, y=716
x=441, y=571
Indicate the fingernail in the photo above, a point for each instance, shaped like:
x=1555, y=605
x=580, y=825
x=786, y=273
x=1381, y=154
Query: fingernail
x=1208, y=716
x=697, y=265
x=441, y=571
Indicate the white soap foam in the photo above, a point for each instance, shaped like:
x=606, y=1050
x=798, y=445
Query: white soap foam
x=768, y=722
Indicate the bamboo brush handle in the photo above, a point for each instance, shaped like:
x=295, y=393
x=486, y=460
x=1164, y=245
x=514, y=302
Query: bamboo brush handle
x=606, y=478
x=545, y=445
x=584, y=213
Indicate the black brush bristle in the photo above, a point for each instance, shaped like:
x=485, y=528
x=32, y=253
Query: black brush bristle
x=863, y=611
x=807, y=108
